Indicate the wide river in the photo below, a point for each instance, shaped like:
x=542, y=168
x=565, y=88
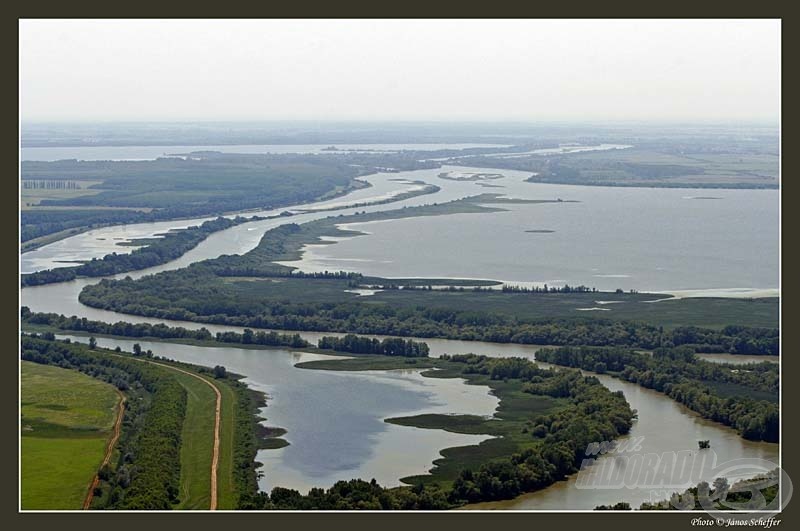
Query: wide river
x=334, y=420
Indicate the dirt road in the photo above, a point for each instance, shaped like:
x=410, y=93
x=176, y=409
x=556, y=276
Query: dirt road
x=109, y=449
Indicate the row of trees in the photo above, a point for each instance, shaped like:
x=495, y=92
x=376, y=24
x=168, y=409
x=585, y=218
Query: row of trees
x=159, y=330
x=120, y=328
x=248, y=337
x=35, y=223
x=349, y=343
x=390, y=346
x=566, y=288
x=758, y=493
x=50, y=185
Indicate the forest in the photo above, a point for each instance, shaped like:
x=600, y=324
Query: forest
x=206, y=183
x=744, y=397
x=195, y=294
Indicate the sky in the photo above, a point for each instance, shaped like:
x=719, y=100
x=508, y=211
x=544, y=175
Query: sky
x=415, y=70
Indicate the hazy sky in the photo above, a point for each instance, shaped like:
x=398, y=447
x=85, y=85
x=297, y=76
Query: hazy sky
x=400, y=69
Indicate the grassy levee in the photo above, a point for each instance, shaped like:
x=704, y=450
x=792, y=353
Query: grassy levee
x=67, y=418
x=197, y=440
x=197, y=445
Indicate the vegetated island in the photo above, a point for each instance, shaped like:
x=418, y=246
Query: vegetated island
x=469, y=176
x=424, y=189
x=156, y=251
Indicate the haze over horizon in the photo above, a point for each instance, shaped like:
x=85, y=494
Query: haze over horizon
x=518, y=71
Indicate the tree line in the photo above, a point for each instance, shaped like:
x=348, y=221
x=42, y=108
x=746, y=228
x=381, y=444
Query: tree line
x=390, y=346
x=50, y=185
x=721, y=495
x=349, y=343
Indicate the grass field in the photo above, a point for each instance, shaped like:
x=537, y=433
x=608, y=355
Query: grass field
x=66, y=420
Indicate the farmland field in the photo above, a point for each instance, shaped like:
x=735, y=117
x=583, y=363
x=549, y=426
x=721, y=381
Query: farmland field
x=66, y=419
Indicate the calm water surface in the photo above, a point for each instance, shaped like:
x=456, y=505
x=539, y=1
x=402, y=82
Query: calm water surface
x=646, y=239
x=335, y=420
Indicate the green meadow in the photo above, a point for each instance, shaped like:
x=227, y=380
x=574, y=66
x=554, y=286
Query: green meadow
x=66, y=420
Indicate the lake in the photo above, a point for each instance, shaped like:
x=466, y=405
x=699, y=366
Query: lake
x=335, y=420
x=647, y=239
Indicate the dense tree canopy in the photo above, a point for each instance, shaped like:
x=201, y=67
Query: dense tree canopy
x=744, y=397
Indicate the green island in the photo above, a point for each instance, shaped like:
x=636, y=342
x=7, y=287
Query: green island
x=423, y=189
x=153, y=252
